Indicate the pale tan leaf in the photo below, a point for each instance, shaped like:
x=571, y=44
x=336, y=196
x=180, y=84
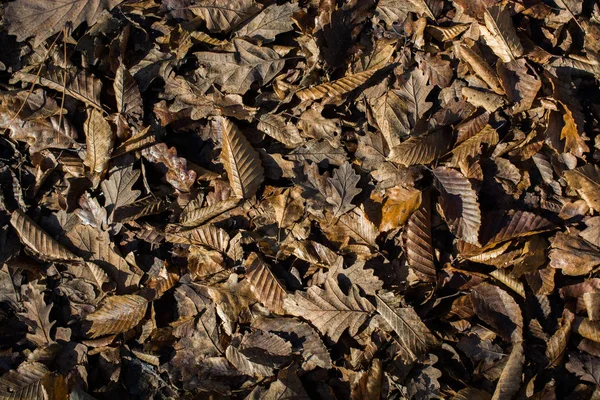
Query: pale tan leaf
x=592, y=305
x=271, y=21
x=418, y=244
x=336, y=88
x=276, y=127
x=26, y=18
x=586, y=180
x=178, y=174
x=32, y=235
x=37, y=315
x=500, y=34
x=460, y=205
x=236, y=72
x=422, y=149
x=197, y=216
x=149, y=205
x=100, y=141
x=509, y=280
x=139, y=141
x=413, y=334
x=329, y=309
x=587, y=328
x=79, y=84
x=116, y=315
x=510, y=379
x=241, y=161
x=264, y=284
x=473, y=145
x=355, y=225
x=490, y=101
x=445, y=33
x=206, y=235
x=481, y=68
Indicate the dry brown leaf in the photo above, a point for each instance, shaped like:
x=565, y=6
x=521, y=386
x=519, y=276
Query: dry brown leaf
x=460, y=205
x=418, y=244
x=100, y=141
x=264, y=284
x=400, y=203
x=585, y=180
x=241, y=161
x=117, y=314
x=32, y=235
x=336, y=88
x=510, y=379
x=496, y=307
x=421, y=150
x=330, y=310
x=500, y=34
x=414, y=336
x=481, y=68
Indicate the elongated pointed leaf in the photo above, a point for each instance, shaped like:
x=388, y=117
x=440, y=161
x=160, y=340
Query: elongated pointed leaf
x=336, y=88
x=241, y=161
x=413, y=334
x=460, y=205
x=32, y=235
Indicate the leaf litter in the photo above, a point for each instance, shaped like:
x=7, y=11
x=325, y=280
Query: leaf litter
x=299, y=199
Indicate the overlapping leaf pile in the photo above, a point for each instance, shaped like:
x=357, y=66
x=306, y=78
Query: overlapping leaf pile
x=299, y=199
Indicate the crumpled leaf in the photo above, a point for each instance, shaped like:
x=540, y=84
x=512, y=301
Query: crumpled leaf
x=510, y=379
x=586, y=180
